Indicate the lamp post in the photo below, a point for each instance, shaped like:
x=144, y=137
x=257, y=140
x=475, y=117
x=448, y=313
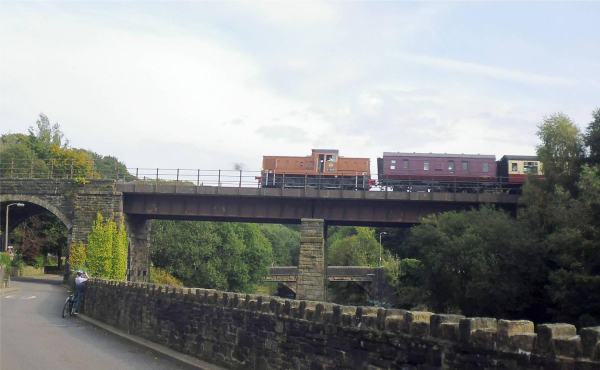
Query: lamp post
x=380, y=246
x=6, y=230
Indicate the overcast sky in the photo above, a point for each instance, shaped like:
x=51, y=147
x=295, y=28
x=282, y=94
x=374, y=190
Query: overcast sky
x=210, y=84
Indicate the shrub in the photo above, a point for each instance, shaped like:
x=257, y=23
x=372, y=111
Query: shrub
x=39, y=262
x=163, y=277
x=5, y=261
x=77, y=256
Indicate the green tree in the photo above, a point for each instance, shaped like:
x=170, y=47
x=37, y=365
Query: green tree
x=404, y=276
x=561, y=151
x=285, y=242
x=360, y=249
x=226, y=256
x=17, y=158
x=477, y=262
x=592, y=139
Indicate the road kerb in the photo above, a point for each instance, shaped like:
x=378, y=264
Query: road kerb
x=157, y=349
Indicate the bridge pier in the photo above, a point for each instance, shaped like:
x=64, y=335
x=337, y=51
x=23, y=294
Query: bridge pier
x=138, y=233
x=312, y=267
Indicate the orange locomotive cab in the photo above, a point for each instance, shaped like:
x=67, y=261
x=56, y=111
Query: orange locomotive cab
x=323, y=169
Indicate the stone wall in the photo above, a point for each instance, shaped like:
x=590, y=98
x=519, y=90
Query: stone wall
x=240, y=331
x=27, y=271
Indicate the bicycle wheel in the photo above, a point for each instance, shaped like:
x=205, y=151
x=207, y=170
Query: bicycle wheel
x=72, y=308
x=66, y=308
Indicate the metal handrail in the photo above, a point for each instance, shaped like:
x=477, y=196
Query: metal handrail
x=88, y=169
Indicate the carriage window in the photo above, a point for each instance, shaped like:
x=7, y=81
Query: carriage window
x=530, y=167
x=393, y=164
x=426, y=165
x=465, y=166
x=514, y=167
x=405, y=163
x=486, y=167
x=451, y=166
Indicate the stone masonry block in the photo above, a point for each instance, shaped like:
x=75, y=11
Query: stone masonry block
x=590, y=338
x=438, y=320
x=484, y=338
x=522, y=342
x=547, y=332
x=569, y=347
x=508, y=328
x=449, y=331
x=468, y=325
x=411, y=317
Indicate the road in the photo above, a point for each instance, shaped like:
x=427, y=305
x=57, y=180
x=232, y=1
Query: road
x=33, y=335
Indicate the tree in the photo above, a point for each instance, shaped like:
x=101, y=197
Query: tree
x=592, y=139
x=226, y=256
x=477, y=263
x=574, y=252
x=285, y=242
x=360, y=249
x=561, y=151
x=45, y=135
x=39, y=235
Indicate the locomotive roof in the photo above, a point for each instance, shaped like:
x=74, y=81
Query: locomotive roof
x=326, y=150
x=523, y=157
x=439, y=155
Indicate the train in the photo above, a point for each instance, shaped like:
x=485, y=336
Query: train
x=398, y=171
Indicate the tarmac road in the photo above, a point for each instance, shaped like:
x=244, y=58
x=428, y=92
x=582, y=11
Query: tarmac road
x=33, y=335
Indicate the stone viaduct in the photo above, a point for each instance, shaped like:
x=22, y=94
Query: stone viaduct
x=76, y=204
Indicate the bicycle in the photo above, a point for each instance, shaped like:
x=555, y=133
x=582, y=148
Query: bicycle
x=69, y=307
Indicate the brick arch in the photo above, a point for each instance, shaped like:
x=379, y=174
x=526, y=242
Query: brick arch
x=40, y=202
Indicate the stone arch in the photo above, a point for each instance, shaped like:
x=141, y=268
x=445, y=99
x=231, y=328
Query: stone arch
x=40, y=202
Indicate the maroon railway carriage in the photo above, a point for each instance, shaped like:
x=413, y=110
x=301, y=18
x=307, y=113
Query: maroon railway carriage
x=436, y=171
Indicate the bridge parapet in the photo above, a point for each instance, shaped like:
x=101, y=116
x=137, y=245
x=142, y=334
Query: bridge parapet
x=262, y=332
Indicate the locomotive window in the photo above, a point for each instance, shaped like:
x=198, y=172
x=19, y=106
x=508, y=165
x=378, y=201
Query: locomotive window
x=405, y=163
x=514, y=167
x=426, y=165
x=451, y=166
x=486, y=167
x=530, y=167
x=465, y=166
x=393, y=164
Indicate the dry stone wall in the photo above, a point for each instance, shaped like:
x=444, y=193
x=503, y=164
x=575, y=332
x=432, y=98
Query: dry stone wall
x=239, y=331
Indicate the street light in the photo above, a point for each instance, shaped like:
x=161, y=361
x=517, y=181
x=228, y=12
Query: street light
x=380, y=246
x=6, y=230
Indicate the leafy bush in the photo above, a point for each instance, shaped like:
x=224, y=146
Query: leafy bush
x=163, y=277
x=77, y=256
x=40, y=262
x=5, y=261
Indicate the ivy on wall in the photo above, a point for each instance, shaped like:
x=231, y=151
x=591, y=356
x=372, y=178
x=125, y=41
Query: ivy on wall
x=107, y=249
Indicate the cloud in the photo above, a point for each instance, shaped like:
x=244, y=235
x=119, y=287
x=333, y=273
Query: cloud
x=288, y=133
x=485, y=70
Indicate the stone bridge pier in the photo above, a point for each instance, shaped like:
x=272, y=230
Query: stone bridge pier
x=312, y=266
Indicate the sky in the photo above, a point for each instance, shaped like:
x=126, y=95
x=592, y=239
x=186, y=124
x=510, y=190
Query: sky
x=208, y=85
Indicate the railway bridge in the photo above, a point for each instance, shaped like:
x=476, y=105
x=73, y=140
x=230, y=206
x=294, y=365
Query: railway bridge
x=77, y=201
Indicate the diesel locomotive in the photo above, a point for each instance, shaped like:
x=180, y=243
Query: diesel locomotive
x=323, y=169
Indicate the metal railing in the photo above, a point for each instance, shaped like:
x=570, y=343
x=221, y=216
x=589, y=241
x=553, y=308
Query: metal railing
x=89, y=169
